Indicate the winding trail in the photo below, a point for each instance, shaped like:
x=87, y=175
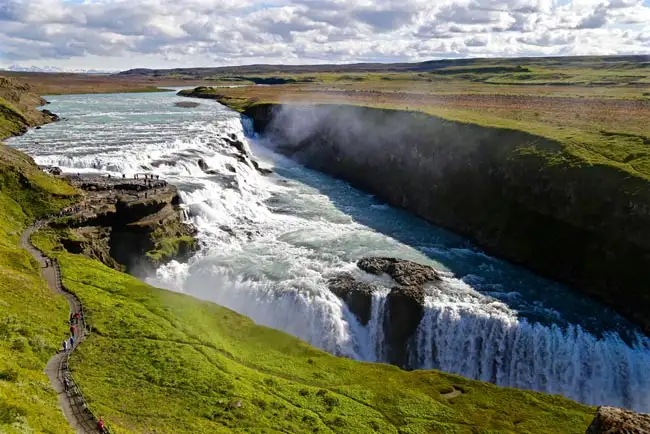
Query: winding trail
x=71, y=401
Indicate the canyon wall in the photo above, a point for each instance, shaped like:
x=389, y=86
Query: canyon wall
x=516, y=195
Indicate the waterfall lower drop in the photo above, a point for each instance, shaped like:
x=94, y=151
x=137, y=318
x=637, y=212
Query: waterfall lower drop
x=374, y=345
x=499, y=348
x=467, y=334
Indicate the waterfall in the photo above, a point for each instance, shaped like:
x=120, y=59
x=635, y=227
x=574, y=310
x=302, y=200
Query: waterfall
x=270, y=243
x=507, y=351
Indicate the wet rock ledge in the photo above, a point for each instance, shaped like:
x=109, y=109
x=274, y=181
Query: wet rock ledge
x=132, y=225
x=404, y=305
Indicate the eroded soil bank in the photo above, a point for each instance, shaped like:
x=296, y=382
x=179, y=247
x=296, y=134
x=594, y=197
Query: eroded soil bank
x=515, y=194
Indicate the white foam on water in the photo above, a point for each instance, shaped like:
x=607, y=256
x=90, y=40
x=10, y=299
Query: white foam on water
x=466, y=333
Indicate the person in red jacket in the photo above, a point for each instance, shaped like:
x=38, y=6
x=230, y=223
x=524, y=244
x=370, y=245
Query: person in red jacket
x=101, y=426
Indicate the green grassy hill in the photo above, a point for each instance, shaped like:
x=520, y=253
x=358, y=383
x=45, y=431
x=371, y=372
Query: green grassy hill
x=165, y=362
x=17, y=108
x=32, y=318
x=624, y=63
x=12, y=121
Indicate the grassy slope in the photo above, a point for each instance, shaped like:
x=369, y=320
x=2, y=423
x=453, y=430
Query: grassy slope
x=167, y=362
x=592, y=131
x=17, y=108
x=595, y=106
x=12, y=121
x=32, y=318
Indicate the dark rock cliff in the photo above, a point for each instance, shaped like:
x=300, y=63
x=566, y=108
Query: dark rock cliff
x=404, y=303
x=130, y=225
x=515, y=194
x=357, y=295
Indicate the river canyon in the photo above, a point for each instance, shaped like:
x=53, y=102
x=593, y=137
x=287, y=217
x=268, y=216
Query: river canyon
x=270, y=243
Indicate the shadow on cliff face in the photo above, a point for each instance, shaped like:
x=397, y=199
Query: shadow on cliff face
x=382, y=151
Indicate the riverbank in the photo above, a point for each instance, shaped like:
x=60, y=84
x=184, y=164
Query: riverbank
x=68, y=83
x=18, y=110
x=518, y=195
x=33, y=319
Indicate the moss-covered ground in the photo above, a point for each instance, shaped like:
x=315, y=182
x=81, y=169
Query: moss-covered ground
x=33, y=320
x=12, y=121
x=165, y=362
x=170, y=246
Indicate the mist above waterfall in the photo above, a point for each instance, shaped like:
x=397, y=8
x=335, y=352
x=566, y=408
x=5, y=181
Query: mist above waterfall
x=270, y=243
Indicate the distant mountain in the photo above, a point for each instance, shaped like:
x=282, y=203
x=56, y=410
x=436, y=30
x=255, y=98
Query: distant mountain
x=54, y=69
x=19, y=68
x=428, y=66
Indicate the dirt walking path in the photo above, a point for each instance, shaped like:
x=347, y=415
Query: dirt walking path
x=71, y=401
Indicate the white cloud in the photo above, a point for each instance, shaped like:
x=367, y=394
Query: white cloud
x=173, y=33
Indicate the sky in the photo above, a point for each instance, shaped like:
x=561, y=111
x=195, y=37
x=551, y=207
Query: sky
x=124, y=34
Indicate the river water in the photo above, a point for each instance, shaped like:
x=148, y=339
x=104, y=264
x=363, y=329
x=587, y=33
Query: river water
x=269, y=243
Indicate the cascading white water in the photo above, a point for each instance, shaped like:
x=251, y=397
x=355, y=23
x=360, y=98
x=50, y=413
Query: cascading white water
x=269, y=244
x=375, y=327
x=486, y=341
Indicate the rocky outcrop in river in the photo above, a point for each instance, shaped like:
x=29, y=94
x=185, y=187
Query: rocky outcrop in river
x=515, y=194
x=405, y=301
x=357, y=295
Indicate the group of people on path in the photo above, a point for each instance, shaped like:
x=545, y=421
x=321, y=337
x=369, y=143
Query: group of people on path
x=147, y=176
x=68, y=344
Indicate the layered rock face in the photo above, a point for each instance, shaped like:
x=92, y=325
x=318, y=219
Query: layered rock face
x=513, y=193
x=405, y=302
x=130, y=225
x=611, y=420
x=357, y=295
